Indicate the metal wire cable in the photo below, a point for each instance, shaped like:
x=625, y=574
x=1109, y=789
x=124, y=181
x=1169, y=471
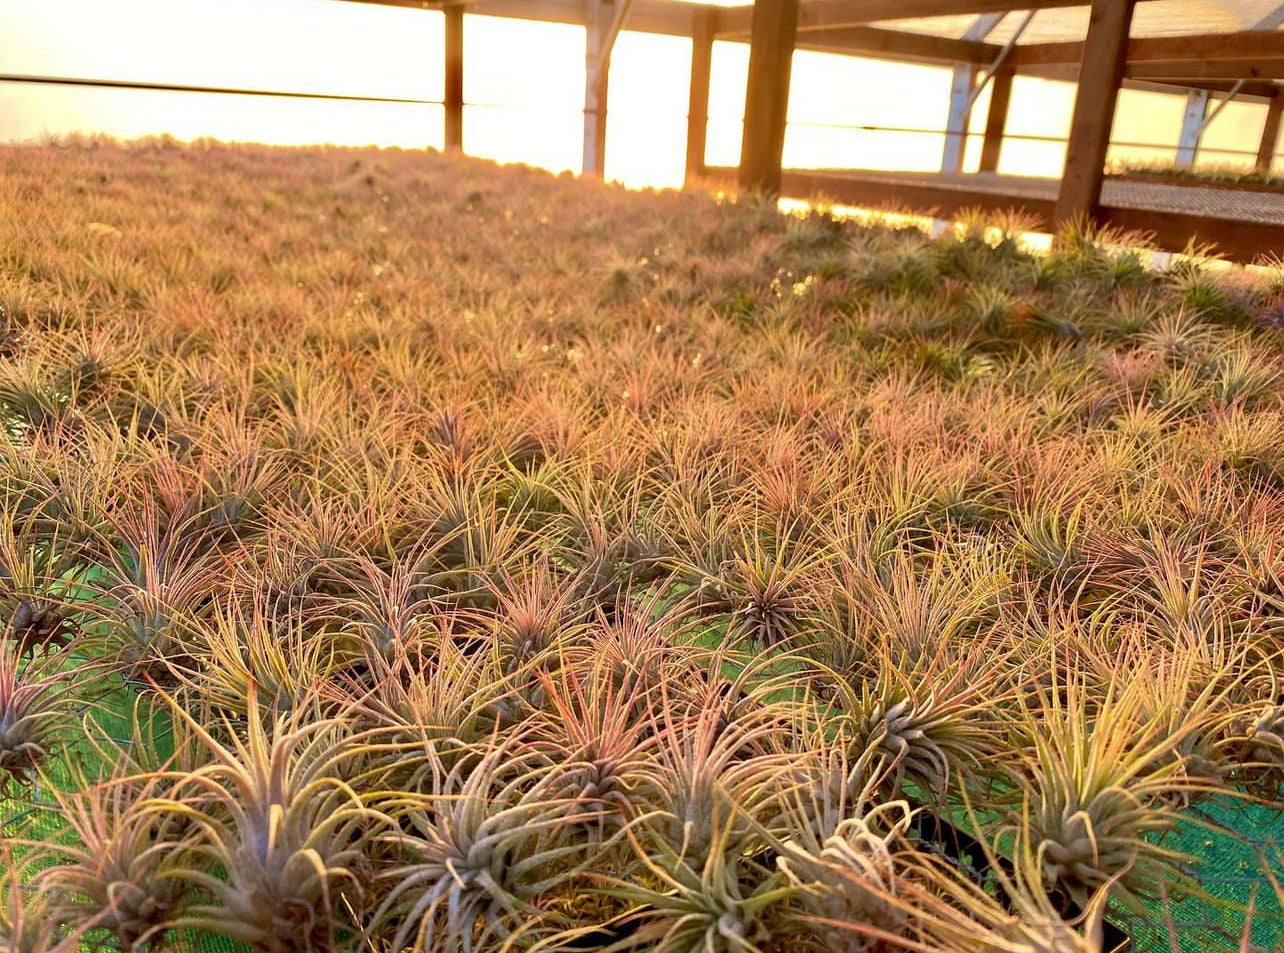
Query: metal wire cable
x=349, y=97
x=190, y=88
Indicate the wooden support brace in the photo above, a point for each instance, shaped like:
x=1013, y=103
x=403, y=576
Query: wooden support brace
x=996, y=120
x=1101, y=71
x=703, y=26
x=1192, y=128
x=963, y=92
x=960, y=113
x=771, y=51
x=454, y=92
x=1270, y=134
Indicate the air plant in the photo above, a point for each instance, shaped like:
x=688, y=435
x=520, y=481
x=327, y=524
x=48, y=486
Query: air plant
x=850, y=878
x=120, y=871
x=713, y=775
x=239, y=650
x=436, y=696
x=714, y=901
x=598, y=735
x=40, y=572
x=273, y=811
x=33, y=698
x=762, y=587
x=477, y=849
x=26, y=921
x=535, y=609
x=1094, y=779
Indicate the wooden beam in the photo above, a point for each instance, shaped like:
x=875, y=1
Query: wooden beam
x=1249, y=92
x=996, y=120
x=1265, y=71
x=1270, y=135
x=1100, y=74
x=1258, y=90
x=454, y=94
x=767, y=93
x=704, y=23
x=668, y=17
x=1246, y=46
x=736, y=22
x=897, y=44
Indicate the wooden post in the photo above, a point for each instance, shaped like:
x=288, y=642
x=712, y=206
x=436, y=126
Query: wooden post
x=454, y=98
x=996, y=120
x=1105, y=55
x=775, y=28
x=702, y=31
x=602, y=19
x=1270, y=135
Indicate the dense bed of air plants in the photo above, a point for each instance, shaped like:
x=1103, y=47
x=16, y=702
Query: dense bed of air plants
x=404, y=553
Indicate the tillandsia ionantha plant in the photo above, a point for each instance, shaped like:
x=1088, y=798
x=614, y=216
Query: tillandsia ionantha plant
x=40, y=569
x=402, y=551
x=33, y=711
x=473, y=855
x=119, y=871
x=27, y=922
x=273, y=813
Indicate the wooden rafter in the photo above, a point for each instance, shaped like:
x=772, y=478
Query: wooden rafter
x=704, y=22
x=898, y=44
x=668, y=17
x=1247, y=46
x=996, y=120
x=1199, y=70
x=832, y=14
x=453, y=100
x=1270, y=135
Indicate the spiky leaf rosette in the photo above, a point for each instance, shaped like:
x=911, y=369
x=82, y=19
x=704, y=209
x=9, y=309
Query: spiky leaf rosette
x=1255, y=749
x=928, y=723
x=273, y=813
x=27, y=924
x=710, y=899
x=31, y=707
x=1096, y=780
x=39, y=572
x=476, y=849
x=597, y=734
x=119, y=871
x=949, y=913
x=850, y=877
